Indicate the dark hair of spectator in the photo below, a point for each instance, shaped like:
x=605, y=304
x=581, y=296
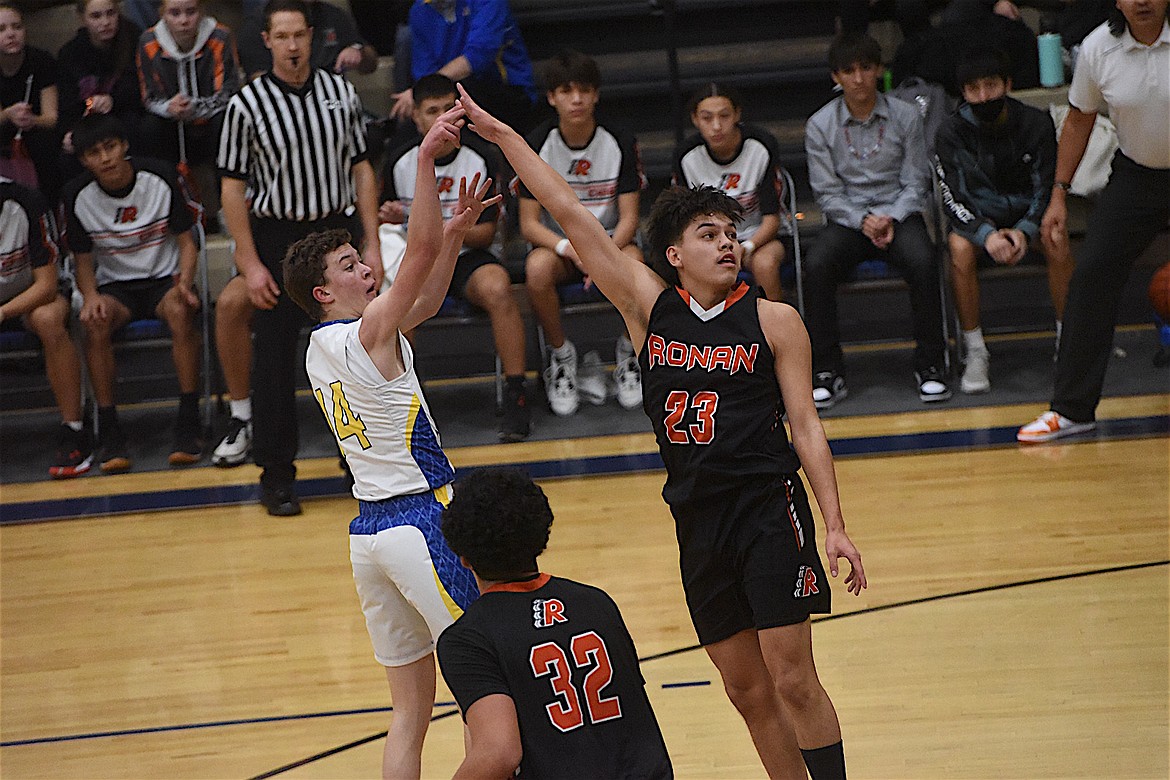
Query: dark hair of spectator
x=571, y=67
x=91, y=130
x=304, y=267
x=276, y=6
x=432, y=85
x=499, y=522
x=673, y=211
x=982, y=62
x=710, y=90
x=125, y=43
x=851, y=48
x=1117, y=21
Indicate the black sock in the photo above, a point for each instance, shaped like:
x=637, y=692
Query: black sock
x=826, y=763
x=107, y=418
x=188, y=406
x=515, y=380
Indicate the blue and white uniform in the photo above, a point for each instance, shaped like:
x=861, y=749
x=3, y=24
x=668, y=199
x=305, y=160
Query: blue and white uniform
x=410, y=583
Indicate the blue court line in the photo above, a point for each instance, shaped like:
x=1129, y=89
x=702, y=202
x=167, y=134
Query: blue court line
x=694, y=684
x=208, y=725
x=897, y=444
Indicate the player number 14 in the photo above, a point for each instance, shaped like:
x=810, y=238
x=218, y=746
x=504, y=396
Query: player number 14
x=549, y=660
x=342, y=419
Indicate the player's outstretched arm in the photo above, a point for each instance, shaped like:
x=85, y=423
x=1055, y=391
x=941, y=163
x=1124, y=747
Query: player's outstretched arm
x=495, y=749
x=788, y=339
x=434, y=290
x=424, y=239
x=630, y=285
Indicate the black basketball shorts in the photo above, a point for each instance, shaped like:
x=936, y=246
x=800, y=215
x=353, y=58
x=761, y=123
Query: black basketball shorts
x=751, y=561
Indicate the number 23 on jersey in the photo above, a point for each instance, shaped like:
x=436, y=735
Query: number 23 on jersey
x=342, y=419
x=702, y=430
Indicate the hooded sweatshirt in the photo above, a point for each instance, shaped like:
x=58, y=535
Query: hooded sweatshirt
x=84, y=70
x=208, y=73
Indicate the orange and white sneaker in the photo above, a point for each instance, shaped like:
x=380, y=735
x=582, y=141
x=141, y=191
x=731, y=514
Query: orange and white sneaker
x=1051, y=425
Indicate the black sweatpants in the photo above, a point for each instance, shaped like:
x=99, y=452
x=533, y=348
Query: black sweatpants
x=1130, y=211
x=278, y=362
x=837, y=252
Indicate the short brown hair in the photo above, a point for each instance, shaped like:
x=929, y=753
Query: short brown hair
x=304, y=267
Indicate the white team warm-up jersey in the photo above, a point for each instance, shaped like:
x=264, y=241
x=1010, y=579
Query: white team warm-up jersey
x=607, y=167
x=751, y=177
x=383, y=426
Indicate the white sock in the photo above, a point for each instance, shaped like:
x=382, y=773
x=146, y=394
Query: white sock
x=974, y=340
x=74, y=425
x=1058, y=324
x=624, y=349
x=564, y=351
x=241, y=410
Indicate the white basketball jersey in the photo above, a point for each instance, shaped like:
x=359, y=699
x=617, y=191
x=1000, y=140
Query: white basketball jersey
x=383, y=426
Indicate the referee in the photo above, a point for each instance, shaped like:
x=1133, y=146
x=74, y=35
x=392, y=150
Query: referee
x=296, y=136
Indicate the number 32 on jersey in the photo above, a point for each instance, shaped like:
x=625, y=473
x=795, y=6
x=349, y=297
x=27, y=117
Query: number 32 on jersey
x=342, y=419
x=588, y=650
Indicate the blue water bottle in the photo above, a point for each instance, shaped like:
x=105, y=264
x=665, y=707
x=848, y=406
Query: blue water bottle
x=1051, y=64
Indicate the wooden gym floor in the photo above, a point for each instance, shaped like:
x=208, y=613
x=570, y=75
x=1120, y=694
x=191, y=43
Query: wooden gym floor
x=1016, y=623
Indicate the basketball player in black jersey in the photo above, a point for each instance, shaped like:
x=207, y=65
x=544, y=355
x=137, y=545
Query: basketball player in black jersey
x=720, y=367
x=544, y=669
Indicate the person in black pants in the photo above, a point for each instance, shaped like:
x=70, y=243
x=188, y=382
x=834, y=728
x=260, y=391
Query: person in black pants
x=302, y=181
x=1123, y=68
x=868, y=169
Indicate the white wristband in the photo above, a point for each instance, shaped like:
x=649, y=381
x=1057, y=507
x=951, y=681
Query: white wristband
x=749, y=246
x=562, y=247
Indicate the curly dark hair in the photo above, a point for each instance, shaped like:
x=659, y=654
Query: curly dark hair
x=499, y=522
x=673, y=210
x=304, y=267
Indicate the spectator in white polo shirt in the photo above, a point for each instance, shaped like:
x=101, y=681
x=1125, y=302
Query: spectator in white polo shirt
x=1123, y=68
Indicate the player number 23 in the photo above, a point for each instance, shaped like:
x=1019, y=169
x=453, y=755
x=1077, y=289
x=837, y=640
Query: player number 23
x=342, y=419
x=702, y=431
x=549, y=660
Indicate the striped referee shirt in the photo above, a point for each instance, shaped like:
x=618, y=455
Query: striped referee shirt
x=295, y=147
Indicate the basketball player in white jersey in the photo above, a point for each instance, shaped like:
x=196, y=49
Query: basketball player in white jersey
x=361, y=369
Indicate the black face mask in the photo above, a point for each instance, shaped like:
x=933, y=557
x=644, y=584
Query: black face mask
x=988, y=112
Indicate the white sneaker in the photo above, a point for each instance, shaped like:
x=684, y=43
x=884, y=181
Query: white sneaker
x=975, y=373
x=591, y=379
x=1051, y=425
x=560, y=383
x=627, y=377
x=236, y=444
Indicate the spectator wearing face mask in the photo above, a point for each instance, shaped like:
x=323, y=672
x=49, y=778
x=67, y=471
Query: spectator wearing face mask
x=996, y=161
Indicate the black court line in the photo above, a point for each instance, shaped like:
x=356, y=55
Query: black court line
x=867, y=611
x=338, y=749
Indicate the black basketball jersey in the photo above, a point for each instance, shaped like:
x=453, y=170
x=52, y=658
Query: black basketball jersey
x=709, y=387
x=561, y=651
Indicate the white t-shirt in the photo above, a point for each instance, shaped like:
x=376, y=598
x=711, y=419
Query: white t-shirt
x=383, y=427
x=1131, y=82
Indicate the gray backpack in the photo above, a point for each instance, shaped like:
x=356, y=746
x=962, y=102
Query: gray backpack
x=932, y=102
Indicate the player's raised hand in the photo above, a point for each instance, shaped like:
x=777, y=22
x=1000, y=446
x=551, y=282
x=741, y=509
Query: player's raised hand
x=838, y=545
x=484, y=124
x=471, y=204
x=444, y=134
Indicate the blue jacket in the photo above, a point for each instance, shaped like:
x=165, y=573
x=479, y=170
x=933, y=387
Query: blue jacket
x=484, y=31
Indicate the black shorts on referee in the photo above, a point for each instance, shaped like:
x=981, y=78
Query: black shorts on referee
x=751, y=561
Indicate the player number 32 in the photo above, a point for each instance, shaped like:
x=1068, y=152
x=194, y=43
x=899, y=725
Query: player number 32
x=549, y=660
